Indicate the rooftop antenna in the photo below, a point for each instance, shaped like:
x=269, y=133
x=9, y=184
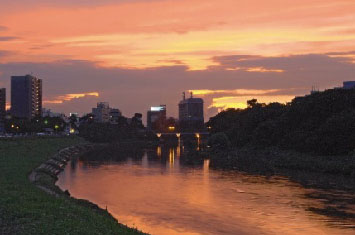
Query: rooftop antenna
x=183, y=95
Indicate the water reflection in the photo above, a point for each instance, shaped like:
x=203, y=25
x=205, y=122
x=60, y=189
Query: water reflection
x=160, y=192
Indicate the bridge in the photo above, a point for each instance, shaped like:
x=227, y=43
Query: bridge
x=181, y=134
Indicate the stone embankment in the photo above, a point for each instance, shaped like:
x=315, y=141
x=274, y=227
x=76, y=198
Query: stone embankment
x=45, y=176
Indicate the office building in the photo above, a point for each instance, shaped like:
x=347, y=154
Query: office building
x=2, y=104
x=191, y=115
x=349, y=85
x=49, y=113
x=26, y=96
x=102, y=112
x=156, y=118
x=115, y=114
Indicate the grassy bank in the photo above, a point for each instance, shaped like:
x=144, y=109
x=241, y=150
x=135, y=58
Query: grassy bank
x=25, y=209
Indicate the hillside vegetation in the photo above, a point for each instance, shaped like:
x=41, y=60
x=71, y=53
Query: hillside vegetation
x=322, y=123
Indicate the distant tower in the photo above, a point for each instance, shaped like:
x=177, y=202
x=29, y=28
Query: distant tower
x=26, y=96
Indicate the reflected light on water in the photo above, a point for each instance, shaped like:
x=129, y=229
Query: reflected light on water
x=159, y=151
x=178, y=150
x=160, y=195
x=171, y=157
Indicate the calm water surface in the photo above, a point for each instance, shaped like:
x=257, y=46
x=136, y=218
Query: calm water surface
x=159, y=195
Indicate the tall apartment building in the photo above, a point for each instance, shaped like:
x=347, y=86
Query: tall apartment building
x=2, y=104
x=191, y=113
x=26, y=96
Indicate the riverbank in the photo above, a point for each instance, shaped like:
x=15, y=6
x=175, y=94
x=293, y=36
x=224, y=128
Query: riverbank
x=45, y=209
x=273, y=161
x=333, y=175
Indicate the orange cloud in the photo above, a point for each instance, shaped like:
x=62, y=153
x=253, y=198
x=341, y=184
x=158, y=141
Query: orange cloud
x=191, y=31
x=240, y=102
x=68, y=97
x=264, y=70
x=239, y=92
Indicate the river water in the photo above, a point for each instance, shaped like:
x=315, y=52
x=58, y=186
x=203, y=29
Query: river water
x=159, y=194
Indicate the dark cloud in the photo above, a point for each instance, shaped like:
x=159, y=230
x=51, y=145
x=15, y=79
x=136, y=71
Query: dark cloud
x=3, y=28
x=341, y=53
x=66, y=3
x=134, y=90
x=6, y=53
x=7, y=38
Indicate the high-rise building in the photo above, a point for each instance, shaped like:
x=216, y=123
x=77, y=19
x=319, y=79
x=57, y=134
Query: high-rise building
x=102, y=112
x=26, y=96
x=115, y=115
x=191, y=113
x=2, y=104
x=156, y=118
x=349, y=85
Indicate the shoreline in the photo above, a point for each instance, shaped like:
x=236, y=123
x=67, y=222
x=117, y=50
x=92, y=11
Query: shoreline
x=45, y=177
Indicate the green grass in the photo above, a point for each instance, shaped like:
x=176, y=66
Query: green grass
x=25, y=209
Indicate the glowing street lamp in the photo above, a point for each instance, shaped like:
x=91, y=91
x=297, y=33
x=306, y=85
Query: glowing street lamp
x=159, y=135
x=198, y=141
x=178, y=135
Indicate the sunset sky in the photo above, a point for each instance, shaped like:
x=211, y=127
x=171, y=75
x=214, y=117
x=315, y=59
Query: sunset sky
x=138, y=53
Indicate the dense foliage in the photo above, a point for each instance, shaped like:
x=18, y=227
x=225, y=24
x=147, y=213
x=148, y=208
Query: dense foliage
x=321, y=123
x=39, y=124
x=121, y=131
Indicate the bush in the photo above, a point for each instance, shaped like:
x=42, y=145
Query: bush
x=219, y=141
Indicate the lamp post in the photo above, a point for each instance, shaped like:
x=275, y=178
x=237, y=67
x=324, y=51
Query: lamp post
x=198, y=141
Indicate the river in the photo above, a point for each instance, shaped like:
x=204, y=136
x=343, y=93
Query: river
x=160, y=194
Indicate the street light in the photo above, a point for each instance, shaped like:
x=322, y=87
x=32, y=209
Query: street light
x=198, y=141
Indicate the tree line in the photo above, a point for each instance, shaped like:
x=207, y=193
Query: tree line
x=320, y=123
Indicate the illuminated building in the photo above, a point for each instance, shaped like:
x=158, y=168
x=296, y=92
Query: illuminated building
x=191, y=115
x=156, y=118
x=26, y=96
x=2, y=103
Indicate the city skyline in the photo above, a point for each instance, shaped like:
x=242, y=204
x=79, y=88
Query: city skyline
x=226, y=52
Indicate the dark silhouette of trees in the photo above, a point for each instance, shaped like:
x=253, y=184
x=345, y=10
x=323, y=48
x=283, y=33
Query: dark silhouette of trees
x=321, y=123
